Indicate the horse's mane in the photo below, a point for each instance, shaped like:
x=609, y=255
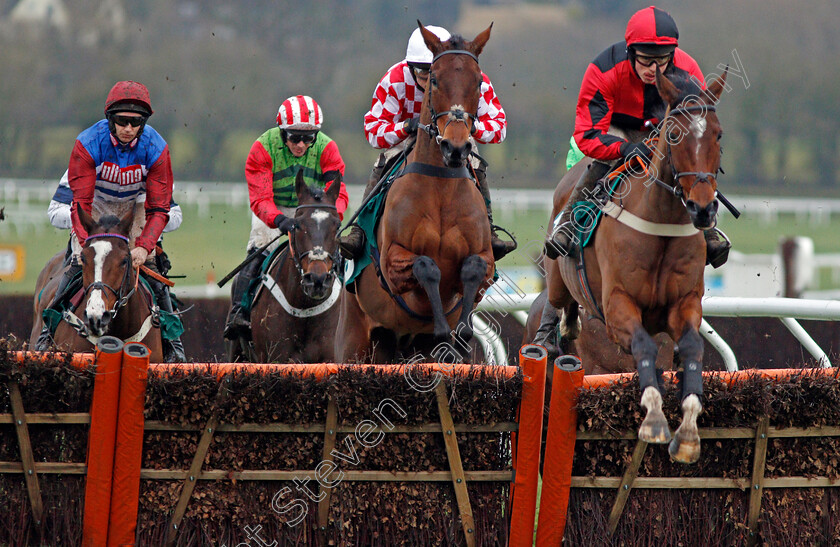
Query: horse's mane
x=687, y=87
x=317, y=193
x=456, y=41
x=107, y=222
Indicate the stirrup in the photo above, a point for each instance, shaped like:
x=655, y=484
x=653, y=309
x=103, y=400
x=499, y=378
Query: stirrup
x=562, y=242
x=501, y=248
x=352, y=246
x=43, y=342
x=717, y=248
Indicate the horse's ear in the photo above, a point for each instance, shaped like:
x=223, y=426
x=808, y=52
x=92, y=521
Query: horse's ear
x=301, y=189
x=87, y=221
x=477, y=45
x=335, y=187
x=432, y=41
x=667, y=90
x=718, y=84
x=124, y=227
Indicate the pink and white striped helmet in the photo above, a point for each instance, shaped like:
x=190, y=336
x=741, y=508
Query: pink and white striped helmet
x=300, y=112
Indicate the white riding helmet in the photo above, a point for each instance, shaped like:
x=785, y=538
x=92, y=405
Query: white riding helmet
x=417, y=52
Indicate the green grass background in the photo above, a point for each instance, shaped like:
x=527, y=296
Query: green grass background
x=209, y=246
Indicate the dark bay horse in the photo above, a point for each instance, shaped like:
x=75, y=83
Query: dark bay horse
x=113, y=302
x=295, y=311
x=434, y=235
x=648, y=278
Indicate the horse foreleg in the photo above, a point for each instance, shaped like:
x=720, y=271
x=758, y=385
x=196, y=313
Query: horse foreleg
x=352, y=341
x=473, y=274
x=427, y=274
x=654, y=428
x=685, y=448
x=624, y=325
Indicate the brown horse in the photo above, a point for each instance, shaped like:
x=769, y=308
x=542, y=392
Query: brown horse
x=112, y=302
x=648, y=278
x=295, y=312
x=434, y=235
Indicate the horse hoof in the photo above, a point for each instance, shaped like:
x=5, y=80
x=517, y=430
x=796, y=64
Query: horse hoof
x=685, y=451
x=655, y=430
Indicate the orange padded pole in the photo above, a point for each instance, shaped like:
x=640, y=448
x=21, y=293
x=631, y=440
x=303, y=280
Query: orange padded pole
x=79, y=360
x=604, y=380
x=559, y=450
x=101, y=441
x=532, y=360
x=128, y=454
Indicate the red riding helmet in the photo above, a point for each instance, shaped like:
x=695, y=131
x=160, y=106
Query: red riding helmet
x=128, y=96
x=300, y=113
x=652, y=31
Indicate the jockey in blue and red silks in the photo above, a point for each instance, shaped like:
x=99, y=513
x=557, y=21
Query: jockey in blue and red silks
x=391, y=124
x=114, y=164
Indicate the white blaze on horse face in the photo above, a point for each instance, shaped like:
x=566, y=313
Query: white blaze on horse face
x=320, y=216
x=698, y=127
x=96, y=303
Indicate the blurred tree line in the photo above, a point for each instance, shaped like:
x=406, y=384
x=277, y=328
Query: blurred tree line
x=218, y=70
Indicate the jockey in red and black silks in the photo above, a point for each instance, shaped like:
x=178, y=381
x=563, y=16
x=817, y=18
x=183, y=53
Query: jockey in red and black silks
x=613, y=94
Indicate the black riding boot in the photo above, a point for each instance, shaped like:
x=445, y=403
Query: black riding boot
x=239, y=319
x=717, y=247
x=563, y=240
x=45, y=338
x=173, y=350
x=547, y=332
x=499, y=246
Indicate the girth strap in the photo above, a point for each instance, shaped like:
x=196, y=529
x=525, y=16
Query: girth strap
x=430, y=170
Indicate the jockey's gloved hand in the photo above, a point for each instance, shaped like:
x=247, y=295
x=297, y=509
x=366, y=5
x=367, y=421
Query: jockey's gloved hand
x=629, y=149
x=284, y=223
x=411, y=125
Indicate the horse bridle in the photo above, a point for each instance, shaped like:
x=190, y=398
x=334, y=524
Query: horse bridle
x=699, y=176
x=457, y=115
x=122, y=299
x=314, y=254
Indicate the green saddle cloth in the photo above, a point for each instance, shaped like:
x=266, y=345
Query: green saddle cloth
x=587, y=214
x=367, y=220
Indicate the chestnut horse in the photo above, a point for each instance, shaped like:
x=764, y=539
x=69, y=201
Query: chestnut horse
x=434, y=235
x=295, y=312
x=648, y=278
x=113, y=302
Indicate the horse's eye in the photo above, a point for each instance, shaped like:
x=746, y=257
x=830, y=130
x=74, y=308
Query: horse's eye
x=720, y=135
x=433, y=81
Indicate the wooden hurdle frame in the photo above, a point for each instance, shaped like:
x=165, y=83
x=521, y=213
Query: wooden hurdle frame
x=556, y=486
x=523, y=436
